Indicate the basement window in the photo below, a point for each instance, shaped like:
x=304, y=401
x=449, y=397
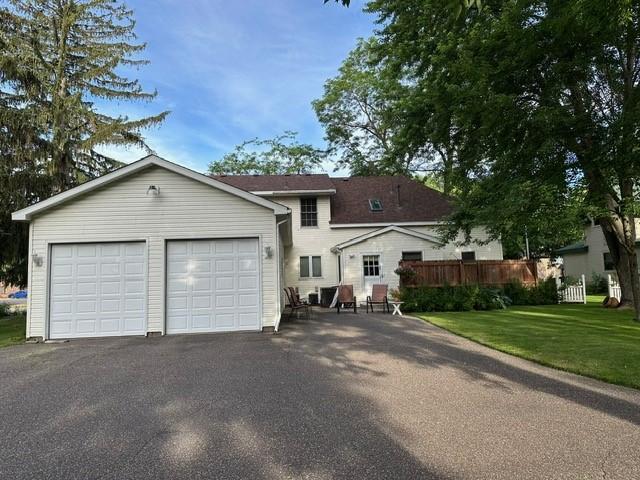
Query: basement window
x=469, y=256
x=375, y=205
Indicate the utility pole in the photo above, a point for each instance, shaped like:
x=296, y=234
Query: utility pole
x=526, y=241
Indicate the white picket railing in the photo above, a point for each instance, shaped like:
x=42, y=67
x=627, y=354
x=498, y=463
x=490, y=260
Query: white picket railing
x=614, y=288
x=573, y=293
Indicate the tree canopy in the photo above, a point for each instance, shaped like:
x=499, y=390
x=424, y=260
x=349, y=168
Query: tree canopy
x=542, y=97
x=57, y=59
x=274, y=156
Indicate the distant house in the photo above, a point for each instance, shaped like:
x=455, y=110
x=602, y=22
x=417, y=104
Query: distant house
x=154, y=247
x=591, y=255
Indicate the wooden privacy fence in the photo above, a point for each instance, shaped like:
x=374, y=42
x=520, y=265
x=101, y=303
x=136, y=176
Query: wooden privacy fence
x=438, y=273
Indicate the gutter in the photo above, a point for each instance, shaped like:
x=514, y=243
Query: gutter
x=279, y=297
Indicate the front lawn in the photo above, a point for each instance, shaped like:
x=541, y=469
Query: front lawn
x=12, y=329
x=584, y=339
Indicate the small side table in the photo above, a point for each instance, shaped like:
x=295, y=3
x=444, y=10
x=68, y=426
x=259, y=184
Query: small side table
x=396, y=308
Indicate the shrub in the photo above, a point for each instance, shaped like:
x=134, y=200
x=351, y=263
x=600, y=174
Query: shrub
x=451, y=298
x=4, y=310
x=474, y=297
x=544, y=293
x=598, y=284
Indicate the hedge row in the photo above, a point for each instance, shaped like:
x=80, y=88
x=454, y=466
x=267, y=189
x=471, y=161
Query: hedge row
x=476, y=297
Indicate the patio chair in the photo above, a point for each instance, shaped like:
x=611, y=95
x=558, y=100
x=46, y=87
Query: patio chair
x=378, y=297
x=294, y=303
x=295, y=294
x=346, y=298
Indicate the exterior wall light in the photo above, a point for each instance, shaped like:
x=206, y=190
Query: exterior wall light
x=268, y=251
x=37, y=259
x=153, y=190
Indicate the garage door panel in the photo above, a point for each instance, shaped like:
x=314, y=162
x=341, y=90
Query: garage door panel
x=62, y=271
x=202, y=302
x=247, y=264
x=224, y=283
x=223, y=247
x=248, y=300
x=205, y=285
x=224, y=320
x=86, y=288
x=134, y=268
x=246, y=282
x=97, y=290
x=225, y=265
x=134, y=250
x=247, y=319
x=201, y=284
x=176, y=248
x=84, y=251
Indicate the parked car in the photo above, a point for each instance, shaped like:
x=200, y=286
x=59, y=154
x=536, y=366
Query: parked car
x=18, y=294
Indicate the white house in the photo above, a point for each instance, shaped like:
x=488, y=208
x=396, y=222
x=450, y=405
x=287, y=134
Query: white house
x=157, y=248
x=591, y=255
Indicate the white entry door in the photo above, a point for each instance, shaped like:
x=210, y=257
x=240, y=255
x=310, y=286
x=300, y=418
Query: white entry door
x=372, y=272
x=97, y=290
x=213, y=285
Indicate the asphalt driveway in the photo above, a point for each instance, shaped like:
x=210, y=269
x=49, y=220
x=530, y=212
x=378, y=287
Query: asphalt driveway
x=349, y=396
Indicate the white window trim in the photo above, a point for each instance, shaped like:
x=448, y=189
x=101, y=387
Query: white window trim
x=311, y=276
x=303, y=213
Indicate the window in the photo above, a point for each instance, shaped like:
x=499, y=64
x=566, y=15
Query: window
x=371, y=265
x=468, y=256
x=412, y=256
x=310, y=267
x=308, y=212
x=608, y=261
x=375, y=205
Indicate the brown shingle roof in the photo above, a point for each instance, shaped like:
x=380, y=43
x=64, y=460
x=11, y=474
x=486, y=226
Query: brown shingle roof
x=412, y=202
x=277, y=183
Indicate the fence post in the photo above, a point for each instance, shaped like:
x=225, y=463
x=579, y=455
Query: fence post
x=609, y=289
x=584, y=290
x=463, y=279
x=558, y=285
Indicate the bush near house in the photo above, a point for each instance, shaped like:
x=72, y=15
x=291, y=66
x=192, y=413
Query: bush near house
x=475, y=297
x=597, y=284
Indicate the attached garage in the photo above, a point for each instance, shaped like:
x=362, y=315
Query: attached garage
x=153, y=248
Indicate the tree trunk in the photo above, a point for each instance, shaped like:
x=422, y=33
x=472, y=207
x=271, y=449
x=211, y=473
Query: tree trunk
x=625, y=258
x=621, y=261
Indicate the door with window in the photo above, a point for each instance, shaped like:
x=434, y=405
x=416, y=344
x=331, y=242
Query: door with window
x=372, y=272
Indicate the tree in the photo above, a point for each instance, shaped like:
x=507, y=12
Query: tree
x=57, y=58
x=366, y=113
x=276, y=156
x=544, y=93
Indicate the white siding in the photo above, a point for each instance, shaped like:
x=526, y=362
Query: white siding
x=588, y=263
x=319, y=241
x=123, y=212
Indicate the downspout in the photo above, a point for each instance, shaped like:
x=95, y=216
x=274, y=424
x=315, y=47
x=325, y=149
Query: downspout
x=279, y=309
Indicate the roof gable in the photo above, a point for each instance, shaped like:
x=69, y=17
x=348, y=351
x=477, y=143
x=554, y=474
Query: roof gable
x=382, y=231
x=151, y=160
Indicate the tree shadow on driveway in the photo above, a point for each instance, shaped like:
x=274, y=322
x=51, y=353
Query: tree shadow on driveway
x=349, y=396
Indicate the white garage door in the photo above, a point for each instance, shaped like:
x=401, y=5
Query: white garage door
x=213, y=285
x=98, y=290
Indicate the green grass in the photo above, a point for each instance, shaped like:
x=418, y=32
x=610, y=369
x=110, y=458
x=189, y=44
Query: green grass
x=584, y=339
x=12, y=329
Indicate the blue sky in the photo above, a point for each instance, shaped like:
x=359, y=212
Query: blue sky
x=233, y=70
